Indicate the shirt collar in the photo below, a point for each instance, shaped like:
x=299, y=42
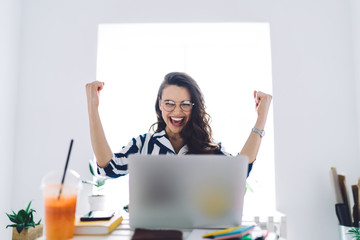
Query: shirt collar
x=163, y=141
x=159, y=134
x=184, y=150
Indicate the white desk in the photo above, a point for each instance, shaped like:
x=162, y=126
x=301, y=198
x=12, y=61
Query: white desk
x=124, y=232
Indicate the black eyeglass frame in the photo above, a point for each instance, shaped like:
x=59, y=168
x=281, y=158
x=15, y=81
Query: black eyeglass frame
x=190, y=103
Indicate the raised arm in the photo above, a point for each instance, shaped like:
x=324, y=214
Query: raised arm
x=252, y=144
x=99, y=143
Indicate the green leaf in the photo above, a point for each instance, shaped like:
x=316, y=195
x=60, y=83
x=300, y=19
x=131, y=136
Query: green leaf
x=30, y=219
x=355, y=232
x=19, y=227
x=13, y=218
x=11, y=225
x=38, y=223
x=88, y=182
x=248, y=187
x=28, y=207
x=352, y=230
x=29, y=226
x=91, y=169
x=31, y=211
x=100, y=182
x=22, y=216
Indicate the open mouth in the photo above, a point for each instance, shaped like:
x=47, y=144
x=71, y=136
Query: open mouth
x=177, y=122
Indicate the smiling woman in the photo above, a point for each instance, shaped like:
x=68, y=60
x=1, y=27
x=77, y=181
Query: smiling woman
x=175, y=118
x=228, y=61
x=184, y=132
x=188, y=123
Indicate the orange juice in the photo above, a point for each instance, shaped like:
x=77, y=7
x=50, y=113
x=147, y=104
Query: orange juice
x=60, y=216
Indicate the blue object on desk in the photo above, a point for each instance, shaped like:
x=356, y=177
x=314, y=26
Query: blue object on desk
x=231, y=233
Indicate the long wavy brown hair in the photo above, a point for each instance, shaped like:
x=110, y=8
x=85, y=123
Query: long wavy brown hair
x=197, y=133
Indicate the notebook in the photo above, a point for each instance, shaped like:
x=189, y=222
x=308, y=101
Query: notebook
x=186, y=191
x=97, y=227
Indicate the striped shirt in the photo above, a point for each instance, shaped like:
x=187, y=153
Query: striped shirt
x=148, y=144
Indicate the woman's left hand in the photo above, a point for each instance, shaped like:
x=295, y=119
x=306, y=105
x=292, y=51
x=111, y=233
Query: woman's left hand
x=252, y=144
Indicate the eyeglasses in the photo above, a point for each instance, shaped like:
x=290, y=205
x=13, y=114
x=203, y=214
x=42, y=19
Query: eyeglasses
x=170, y=105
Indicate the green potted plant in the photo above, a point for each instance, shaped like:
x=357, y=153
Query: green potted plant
x=24, y=227
x=97, y=199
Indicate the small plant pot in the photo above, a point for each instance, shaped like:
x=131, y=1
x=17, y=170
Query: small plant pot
x=28, y=234
x=97, y=202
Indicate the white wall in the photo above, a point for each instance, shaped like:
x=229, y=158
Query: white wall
x=10, y=12
x=315, y=110
x=355, y=7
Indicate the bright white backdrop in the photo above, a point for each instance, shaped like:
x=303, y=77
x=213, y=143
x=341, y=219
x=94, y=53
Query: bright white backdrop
x=228, y=60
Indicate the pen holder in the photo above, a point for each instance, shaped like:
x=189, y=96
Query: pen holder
x=343, y=230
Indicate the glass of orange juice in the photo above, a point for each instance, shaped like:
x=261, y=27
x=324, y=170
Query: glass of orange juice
x=60, y=204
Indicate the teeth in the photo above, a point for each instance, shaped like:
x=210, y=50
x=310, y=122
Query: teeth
x=177, y=119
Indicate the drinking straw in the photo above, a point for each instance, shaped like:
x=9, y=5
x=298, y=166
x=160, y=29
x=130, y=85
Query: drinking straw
x=66, y=165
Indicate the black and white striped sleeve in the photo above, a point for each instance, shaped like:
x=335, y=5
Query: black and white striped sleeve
x=118, y=165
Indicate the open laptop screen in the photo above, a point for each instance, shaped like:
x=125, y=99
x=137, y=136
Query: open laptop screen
x=186, y=191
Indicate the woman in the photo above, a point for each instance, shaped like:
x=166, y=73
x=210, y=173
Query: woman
x=182, y=126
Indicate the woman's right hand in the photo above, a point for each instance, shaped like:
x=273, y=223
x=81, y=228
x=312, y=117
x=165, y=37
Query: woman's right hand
x=99, y=143
x=92, y=93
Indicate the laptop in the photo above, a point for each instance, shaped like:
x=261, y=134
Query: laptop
x=186, y=191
